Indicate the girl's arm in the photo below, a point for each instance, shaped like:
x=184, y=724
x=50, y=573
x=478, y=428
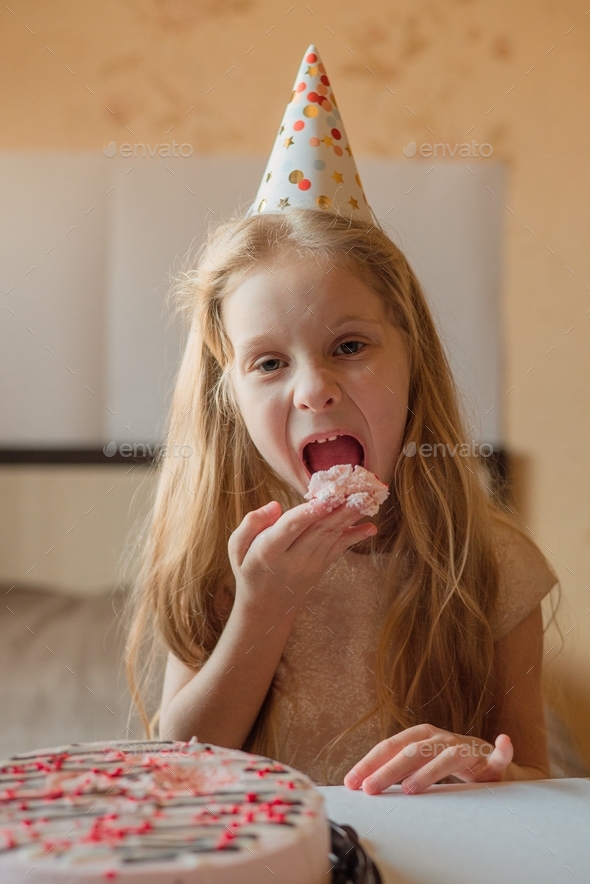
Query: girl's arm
x=219, y=703
x=275, y=559
x=518, y=697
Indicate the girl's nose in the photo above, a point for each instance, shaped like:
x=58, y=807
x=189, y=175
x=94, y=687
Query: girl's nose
x=315, y=388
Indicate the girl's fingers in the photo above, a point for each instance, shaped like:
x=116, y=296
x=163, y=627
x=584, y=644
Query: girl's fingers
x=351, y=536
x=406, y=762
x=472, y=768
x=411, y=754
x=250, y=527
x=448, y=762
x=384, y=751
x=333, y=524
x=501, y=757
x=304, y=523
x=294, y=523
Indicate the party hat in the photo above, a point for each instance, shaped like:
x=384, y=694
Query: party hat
x=311, y=164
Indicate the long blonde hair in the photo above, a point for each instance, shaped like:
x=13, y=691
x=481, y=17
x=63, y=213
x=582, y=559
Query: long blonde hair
x=435, y=652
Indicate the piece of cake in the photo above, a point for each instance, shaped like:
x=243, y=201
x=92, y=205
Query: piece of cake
x=158, y=812
x=359, y=488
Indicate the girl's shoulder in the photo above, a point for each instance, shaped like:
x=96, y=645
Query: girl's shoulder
x=525, y=576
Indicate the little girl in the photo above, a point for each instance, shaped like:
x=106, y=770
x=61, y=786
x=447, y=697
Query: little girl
x=406, y=647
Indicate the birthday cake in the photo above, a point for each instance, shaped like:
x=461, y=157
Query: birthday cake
x=340, y=484
x=158, y=812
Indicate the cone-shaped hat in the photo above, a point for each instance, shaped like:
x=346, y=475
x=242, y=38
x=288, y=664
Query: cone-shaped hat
x=311, y=164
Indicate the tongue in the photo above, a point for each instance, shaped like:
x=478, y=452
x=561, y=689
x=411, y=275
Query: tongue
x=323, y=455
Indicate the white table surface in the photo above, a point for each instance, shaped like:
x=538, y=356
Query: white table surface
x=535, y=832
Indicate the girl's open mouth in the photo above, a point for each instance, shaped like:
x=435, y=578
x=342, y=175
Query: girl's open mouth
x=323, y=455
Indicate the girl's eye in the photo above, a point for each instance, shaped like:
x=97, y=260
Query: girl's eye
x=266, y=361
x=345, y=344
x=348, y=343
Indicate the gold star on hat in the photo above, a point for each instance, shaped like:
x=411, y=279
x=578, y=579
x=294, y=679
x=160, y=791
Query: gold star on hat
x=311, y=165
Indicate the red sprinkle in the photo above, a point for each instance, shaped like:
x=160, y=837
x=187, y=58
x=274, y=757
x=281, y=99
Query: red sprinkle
x=224, y=839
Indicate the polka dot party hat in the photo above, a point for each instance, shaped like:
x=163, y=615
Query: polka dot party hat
x=311, y=164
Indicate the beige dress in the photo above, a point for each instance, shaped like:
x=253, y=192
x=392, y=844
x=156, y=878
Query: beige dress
x=324, y=681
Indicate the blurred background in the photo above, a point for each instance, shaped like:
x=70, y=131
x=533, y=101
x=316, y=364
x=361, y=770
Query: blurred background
x=129, y=128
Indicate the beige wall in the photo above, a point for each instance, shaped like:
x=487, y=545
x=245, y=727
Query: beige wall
x=454, y=65
x=71, y=528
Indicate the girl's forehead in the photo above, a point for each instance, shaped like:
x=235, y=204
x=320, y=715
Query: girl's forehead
x=267, y=309
x=294, y=283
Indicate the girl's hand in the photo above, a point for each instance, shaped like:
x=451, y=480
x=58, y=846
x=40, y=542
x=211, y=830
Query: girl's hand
x=422, y=755
x=276, y=559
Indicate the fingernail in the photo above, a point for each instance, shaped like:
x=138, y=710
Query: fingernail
x=353, y=781
x=370, y=784
x=410, y=785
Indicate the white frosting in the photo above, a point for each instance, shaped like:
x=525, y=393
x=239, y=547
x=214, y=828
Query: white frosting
x=340, y=484
x=158, y=813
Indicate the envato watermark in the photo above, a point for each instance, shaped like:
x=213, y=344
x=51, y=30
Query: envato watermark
x=443, y=150
x=118, y=750
x=466, y=449
x=142, y=449
x=465, y=750
x=161, y=150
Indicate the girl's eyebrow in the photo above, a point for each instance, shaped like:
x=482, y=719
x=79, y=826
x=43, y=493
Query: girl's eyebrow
x=248, y=345
x=262, y=339
x=354, y=317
